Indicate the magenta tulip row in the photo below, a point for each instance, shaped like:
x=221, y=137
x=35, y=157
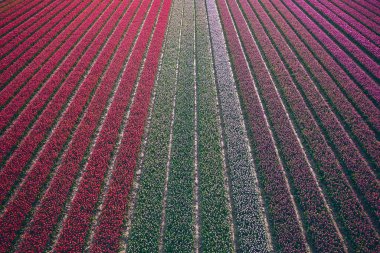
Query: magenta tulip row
x=45, y=160
x=362, y=174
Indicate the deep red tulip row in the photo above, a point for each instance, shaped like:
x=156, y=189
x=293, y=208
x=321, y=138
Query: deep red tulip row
x=26, y=147
x=21, y=15
x=20, y=65
x=14, y=216
x=26, y=29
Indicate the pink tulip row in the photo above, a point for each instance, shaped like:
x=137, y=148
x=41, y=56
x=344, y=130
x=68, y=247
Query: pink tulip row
x=17, y=65
x=311, y=202
x=108, y=232
x=310, y=32
x=23, y=31
x=347, y=45
x=347, y=19
x=29, y=44
x=355, y=35
x=287, y=234
x=347, y=151
x=16, y=18
x=15, y=212
x=316, y=143
x=32, y=109
x=358, y=16
x=40, y=130
x=90, y=186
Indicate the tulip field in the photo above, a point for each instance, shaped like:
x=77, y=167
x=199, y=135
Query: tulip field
x=190, y=126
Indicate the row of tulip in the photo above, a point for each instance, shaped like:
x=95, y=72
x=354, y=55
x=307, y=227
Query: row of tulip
x=368, y=12
x=14, y=214
x=367, y=62
x=359, y=17
x=356, y=36
x=348, y=153
x=310, y=199
x=25, y=30
x=286, y=228
x=311, y=133
x=19, y=53
x=179, y=230
x=24, y=115
x=92, y=183
x=17, y=65
x=13, y=142
x=146, y=219
x=250, y=228
x=7, y=6
x=358, y=26
x=109, y=229
x=22, y=14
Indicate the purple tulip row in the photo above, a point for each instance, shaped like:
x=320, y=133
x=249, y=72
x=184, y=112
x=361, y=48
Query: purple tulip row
x=360, y=27
x=371, y=24
x=358, y=168
x=360, y=40
x=326, y=163
x=346, y=45
x=22, y=202
x=311, y=202
x=302, y=25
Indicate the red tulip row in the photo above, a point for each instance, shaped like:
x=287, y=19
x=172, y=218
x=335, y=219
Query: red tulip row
x=16, y=130
x=108, y=232
x=12, y=53
x=46, y=217
x=27, y=148
x=319, y=60
x=287, y=233
x=371, y=24
x=355, y=35
x=311, y=202
x=347, y=19
x=9, y=6
x=20, y=205
x=361, y=173
x=310, y=32
x=18, y=35
x=347, y=45
x=16, y=18
x=90, y=187
x=23, y=31
x=17, y=67
x=331, y=171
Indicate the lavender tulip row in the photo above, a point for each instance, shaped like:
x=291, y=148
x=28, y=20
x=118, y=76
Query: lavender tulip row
x=284, y=222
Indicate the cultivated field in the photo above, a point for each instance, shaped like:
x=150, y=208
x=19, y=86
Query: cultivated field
x=190, y=126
